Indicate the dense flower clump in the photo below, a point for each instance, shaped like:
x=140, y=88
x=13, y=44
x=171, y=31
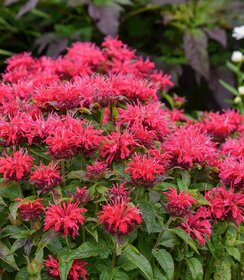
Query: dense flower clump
x=88, y=129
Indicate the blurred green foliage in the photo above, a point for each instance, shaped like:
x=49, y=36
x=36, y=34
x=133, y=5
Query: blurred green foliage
x=188, y=37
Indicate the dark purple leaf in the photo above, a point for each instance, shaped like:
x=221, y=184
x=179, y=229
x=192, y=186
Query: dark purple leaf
x=29, y=5
x=107, y=18
x=10, y=2
x=53, y=45
x=195, y=44
x=218, y=35
x=219, y=92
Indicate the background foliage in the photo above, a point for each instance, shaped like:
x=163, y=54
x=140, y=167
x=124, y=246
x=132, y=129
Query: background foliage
x=190, y=38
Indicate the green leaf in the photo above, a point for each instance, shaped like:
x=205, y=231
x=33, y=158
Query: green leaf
x=139, y=260
x=90, y=249
x=46, y=239
x=158, y=275
x=65, y=263
x=229, y=87
x=13, y=208
x=234, y=252
x=147, y=214
x=55, y=246
x=166, y=261
x=223, y=269
x=196, y=268
x=183, y=235
x=181, y=185
x=186, y=178
x=22, y=274
x=9, y=190
x=120, y=275
x=6, y=256
x=19, y=243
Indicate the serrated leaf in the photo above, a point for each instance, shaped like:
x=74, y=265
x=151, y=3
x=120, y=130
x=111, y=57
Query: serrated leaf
x=195, y=44
x=183, y=235
x=6, y=256
x=166, y=261
x=218, y=35
x=22, y=274
x=139, y=260
x=147, y=214
x=234, y=252
x=17, y=245
x=90, y=249
x=9, y=190
x=195, y=267
x=158, y=275
x=222, y=269
x=64, y=264
x=120, y=275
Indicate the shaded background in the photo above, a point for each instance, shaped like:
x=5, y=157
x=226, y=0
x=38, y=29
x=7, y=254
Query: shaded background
x=190, y=39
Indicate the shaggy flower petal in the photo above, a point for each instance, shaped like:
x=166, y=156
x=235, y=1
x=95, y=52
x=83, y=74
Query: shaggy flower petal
x=64, y=218
x=17, y=166
x=178, y=204
x=232, y=171
x=30, y=210
x=119, y=218
x=225, y=204
x=198, y=226
x=144, y=169
x=188, y=145
x=46, y=177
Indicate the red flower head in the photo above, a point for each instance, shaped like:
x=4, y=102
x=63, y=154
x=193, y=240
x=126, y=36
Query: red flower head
x=232, y=171
x=97, y=170
x=222, y=125
x=234, y=147
x=150, y=116
x=45, y=177
x=226, y=204
x=178, y=101
x=81, y=196
x=198, y=226
x=118, y=192
x=77, y=270
x=163, y=80
x=119, y=218
x=85, y=53
x=188, y=145
x=118, y=146
x=64, y=136
x=144, y=169
x=178, y=204
x=30, y=210
x=17, y=166
x=64, y=218
x=116, y=49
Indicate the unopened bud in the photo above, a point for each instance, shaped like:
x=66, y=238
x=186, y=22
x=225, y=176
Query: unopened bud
x=237, y=56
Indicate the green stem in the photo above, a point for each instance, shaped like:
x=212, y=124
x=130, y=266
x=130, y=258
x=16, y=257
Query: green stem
x=67, y=241
x=20, y=190
x=62, y=164
x=162, y=232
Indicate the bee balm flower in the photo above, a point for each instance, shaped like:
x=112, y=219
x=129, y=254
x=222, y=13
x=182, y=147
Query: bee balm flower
x=119, y=218
x=64, y=218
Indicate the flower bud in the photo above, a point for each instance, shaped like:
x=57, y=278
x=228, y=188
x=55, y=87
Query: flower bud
x=237, y=56
x=34, y=267
x=241, y=90
x=237, y=100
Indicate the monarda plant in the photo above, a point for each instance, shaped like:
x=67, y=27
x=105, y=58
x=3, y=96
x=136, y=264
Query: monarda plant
x=100, y=180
